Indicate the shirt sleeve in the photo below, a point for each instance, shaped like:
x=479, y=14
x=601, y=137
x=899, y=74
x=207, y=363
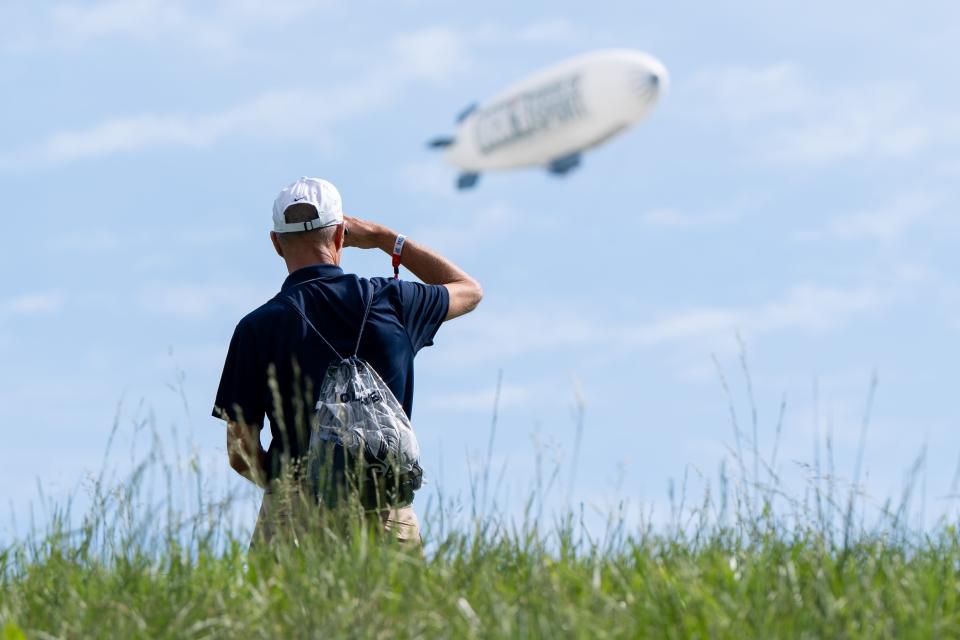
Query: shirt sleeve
x=424, y=310
x=240, y=396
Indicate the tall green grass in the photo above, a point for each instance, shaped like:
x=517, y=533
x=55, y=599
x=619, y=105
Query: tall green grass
x=744, y=560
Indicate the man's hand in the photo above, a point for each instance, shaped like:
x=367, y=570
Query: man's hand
x=247, y=456
x=426, y=264
x=365, y=235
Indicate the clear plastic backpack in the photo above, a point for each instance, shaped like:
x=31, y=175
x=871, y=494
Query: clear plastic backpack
x=357, y=412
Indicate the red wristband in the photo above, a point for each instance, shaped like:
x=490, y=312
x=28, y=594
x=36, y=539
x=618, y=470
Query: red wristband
x=397, y=250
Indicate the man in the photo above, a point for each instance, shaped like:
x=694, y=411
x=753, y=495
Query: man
x=276, y=361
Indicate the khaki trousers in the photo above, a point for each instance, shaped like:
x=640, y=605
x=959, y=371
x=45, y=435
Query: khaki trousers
x=288, y=515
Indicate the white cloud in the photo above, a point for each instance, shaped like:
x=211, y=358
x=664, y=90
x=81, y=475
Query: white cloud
x=687, y=325
x=292, y=114
x=131, y=18
x=32, y=304
x=430, y=54
x=233, y=27
x=217, y=25
x=112, y=136
x=434, y=53
x=744, y=94
x=287, y=114
x=878, y=125
x=814, y=125
x=884, y=223
x=816, y=308
x=440, y=52
x=807, y=308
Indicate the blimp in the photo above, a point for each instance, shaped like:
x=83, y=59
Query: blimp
x=551, y=117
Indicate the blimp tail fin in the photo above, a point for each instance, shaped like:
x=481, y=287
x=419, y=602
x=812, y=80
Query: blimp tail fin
x=441, y=142
x=467, y=180
x=466, y=112
x=564, y=165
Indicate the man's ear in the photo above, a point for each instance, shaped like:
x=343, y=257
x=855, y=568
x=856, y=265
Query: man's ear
x=338, y=236
x=275, y=238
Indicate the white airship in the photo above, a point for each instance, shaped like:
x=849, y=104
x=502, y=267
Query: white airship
x=551, y=117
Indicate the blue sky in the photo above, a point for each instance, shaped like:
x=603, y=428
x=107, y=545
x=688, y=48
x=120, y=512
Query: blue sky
x=797, y=187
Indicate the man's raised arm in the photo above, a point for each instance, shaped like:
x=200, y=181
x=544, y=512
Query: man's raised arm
x=423, y=262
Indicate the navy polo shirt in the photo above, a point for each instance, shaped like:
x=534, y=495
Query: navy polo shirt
x=274, y=341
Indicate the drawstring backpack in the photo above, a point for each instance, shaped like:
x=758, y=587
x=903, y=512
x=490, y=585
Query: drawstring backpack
x=358, y=425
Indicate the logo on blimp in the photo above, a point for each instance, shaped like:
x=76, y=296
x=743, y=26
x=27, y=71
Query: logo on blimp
x=521, y=116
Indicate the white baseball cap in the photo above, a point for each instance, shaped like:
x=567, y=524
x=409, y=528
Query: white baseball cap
x=321, y=194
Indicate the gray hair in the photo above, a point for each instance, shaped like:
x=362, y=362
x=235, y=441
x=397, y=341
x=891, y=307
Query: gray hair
x=304, y=212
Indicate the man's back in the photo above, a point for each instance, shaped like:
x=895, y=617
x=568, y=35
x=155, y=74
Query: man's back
x=274, y=340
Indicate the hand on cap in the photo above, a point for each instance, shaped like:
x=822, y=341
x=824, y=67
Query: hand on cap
x=365, y=235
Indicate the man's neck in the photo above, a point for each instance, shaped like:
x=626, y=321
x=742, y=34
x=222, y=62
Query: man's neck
x=310, y=259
